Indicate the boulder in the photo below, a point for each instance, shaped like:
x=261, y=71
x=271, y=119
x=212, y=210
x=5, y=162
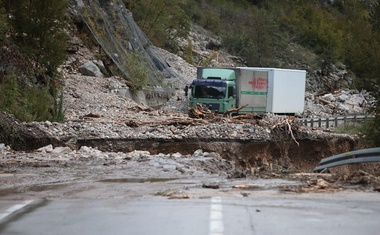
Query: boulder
x=46, y=149
x=100, y=64
x=328, y=97
x=198, y=153
x=343, y=97
x=343, y=107
x=90, y=69
x=61, y=150
x=214, y=44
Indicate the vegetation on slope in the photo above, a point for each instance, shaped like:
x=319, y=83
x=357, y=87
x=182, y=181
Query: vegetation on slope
x=33, y=44
x=262, y=32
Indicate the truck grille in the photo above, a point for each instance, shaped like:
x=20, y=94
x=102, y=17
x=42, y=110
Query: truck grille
x=212, y=107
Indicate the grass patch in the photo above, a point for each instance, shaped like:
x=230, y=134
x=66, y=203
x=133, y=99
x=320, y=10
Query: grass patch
x=354, y=128
x=368, y=132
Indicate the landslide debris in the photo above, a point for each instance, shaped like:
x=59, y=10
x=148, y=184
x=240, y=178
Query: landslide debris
x=22, y=136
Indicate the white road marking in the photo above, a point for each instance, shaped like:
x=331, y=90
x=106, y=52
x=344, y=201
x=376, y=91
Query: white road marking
x=216, y=217
x=14, y=208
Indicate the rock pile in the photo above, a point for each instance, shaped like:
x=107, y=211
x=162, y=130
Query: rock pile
x=339, y=103
x=176, y=165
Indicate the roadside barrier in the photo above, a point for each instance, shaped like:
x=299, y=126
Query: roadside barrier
x=358, y=156
x=328, y=122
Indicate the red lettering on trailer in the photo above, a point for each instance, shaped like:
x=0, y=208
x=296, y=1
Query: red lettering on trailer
x=259, y=83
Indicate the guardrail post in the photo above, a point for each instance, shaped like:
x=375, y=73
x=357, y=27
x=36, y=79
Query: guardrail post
x=335, y=121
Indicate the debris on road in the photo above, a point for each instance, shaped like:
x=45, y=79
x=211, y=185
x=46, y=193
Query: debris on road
x=173, y=194
x=246, y=187
x=179, y=196
x=210, y=185
x=313, y=186
x=362, y=178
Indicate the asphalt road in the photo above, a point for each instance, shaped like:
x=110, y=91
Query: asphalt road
x=259, y=213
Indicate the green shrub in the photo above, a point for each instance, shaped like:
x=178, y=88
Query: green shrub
x=39, y=30
x=206, y=62
x=137, y=71
x=9, y=95
x=36, y=104
x=212, y=21
x=163, y=21
x=188, y=56
x=317, y=28
x=352, y=129
x=29, y=103
x=368, y=130
x=238, y=43
x=373, y=132
x=3, y=23
x=58, y=110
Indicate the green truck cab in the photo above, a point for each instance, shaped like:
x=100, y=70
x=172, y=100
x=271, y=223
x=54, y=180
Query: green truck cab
x=215, y=88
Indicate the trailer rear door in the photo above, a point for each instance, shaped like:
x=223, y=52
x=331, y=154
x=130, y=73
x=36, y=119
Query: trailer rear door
x=253, y=90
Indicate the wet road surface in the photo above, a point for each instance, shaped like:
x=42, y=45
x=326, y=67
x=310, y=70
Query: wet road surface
x=260, y=213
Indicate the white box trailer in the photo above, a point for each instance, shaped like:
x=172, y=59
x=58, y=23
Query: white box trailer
x=274, y=90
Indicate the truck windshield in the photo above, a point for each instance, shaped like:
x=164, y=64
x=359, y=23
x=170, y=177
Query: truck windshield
x=211, y=92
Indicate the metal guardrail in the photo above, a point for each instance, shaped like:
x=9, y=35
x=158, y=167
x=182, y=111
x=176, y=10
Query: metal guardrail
x=358, y=156
x=327, y=122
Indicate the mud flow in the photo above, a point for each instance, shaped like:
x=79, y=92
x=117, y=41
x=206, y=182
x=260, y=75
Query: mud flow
x=246, y=155
x=101, y=168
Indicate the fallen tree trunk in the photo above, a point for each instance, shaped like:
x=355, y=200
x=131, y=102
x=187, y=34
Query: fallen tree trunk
x=326, y=102
x=248, y=116
x=234, y=110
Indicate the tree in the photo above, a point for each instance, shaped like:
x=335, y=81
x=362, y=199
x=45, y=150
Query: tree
x=162, y=21
x=34, y=46
x=263, y=33
x=3, y=22
x=374, y=131
x=39, y=30
x=362, y=55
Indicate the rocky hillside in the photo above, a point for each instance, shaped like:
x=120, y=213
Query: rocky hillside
x=318, y=103
x=99, y=107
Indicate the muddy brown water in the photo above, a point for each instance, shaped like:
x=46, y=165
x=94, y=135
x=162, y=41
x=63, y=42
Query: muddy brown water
x=245, y=154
